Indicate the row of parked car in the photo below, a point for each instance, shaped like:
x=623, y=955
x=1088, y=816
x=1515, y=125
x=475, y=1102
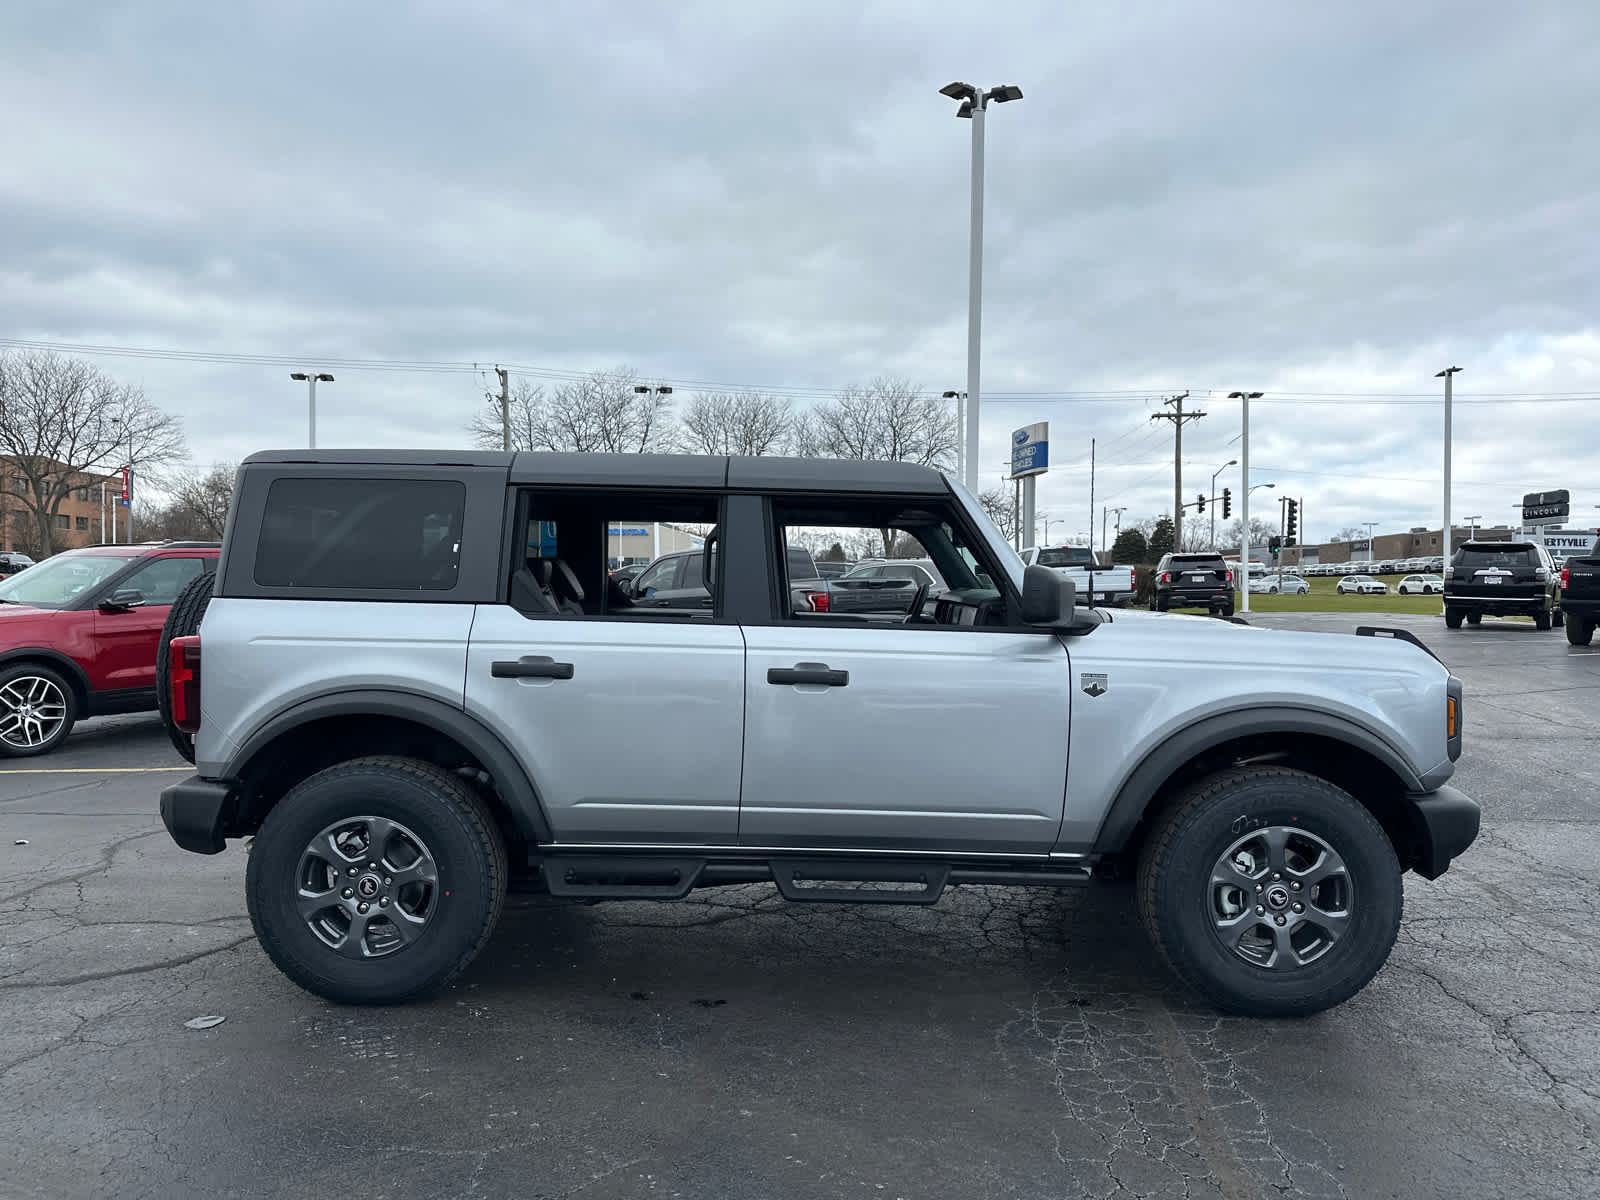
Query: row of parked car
x=1384, y=566
x=903, y=586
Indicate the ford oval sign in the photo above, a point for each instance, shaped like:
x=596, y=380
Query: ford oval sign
x=1020, y=437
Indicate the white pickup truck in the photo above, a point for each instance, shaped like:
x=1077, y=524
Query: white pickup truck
x=1114, y=585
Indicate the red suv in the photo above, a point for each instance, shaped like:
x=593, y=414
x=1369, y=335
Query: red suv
x=79, y=634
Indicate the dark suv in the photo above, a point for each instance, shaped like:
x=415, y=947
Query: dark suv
x=1194, y=581
x=1513, y=579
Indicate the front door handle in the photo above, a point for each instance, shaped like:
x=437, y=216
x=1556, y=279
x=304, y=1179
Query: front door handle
x=808, y=673
x=540, y=666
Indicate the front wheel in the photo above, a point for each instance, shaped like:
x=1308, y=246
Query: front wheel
x=376, y=881
x=37, y=710
x=1270, y=891
x=1579, y=631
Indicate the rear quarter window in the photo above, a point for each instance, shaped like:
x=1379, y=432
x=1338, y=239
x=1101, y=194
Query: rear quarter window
x=377, y=534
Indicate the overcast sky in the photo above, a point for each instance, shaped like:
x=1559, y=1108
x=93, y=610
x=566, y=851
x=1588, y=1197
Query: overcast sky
x=1326, y=203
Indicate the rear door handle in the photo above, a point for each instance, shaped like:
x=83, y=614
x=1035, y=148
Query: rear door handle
x=808, y=673
x=539, y=666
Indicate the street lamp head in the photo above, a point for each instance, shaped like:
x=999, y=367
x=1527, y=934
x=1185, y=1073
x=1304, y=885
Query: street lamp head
x=965, y=110
x=1445, y=372
x=952, y=395
x=300, y=376
x=1232, y=462
x=1007, y=92
x=958, y=91
x=324, y=378
x=1244, y=395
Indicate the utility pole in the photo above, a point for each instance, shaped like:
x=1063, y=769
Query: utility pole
x=1177, y=416
x=505, y=407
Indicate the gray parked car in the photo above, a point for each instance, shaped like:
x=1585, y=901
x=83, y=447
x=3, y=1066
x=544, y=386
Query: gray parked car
x=411, y=685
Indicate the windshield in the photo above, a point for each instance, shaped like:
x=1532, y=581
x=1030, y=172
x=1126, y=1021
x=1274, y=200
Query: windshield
x=57, y=582
x=1010, y=560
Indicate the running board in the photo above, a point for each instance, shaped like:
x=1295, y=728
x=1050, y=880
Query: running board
x=839, y=880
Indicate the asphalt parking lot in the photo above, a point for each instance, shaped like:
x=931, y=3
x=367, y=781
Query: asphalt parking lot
x=1001, y=1044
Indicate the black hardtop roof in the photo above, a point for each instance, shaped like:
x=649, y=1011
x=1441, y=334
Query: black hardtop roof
x=645, y=470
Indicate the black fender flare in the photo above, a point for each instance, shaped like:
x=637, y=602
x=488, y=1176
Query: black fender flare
x=510, y=779
x=59, y=662
x=1141, y=784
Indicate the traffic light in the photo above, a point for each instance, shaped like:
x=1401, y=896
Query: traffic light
x=1290, y=521
x=1227, y=503
x=1274, y=544
x=1200, y=503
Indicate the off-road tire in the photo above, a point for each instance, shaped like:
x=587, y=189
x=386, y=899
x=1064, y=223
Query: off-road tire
x=183, y=620
x=1174, y=892
x=38, y=683
x=461, y=837
x=1579, y=631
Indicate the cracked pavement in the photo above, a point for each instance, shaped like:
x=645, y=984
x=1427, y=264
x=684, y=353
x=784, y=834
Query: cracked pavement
x=1004, y=1043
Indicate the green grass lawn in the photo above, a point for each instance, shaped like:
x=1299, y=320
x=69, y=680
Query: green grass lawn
x=1323, y=598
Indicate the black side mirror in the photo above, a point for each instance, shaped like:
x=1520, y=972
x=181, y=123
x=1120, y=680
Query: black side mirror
x=122, y=600
x=1047, y=598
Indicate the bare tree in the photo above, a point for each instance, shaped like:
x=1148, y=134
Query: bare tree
x=527, y=409
x=888, y=418
x=1197, y=533
x=64, y=423
x=1350, y=533
x=600, y=412
x=200, y=502
x=737, y=423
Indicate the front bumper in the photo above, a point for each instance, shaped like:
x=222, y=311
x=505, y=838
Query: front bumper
x=196, y=812
x=1447, y=823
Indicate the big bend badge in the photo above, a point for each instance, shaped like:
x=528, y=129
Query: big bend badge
x=1093, y=685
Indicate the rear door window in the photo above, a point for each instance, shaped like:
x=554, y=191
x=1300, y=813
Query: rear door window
x=377, y=534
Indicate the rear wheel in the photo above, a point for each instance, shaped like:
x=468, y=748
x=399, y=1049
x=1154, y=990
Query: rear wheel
x=376, y=881
x=1474, y=618
x=1270, y=891
x=1579, y=631
x=1452, y=618
x=1541, y=619
x=183, y=620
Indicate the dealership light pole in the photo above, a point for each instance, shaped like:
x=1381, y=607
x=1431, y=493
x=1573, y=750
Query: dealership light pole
x=1473, y=522
x=311, y=379
x=974, y=103
x=1244, y=501
x=1371, y=549
x=1446, y=374
x=961, y=432
x=1212, y=498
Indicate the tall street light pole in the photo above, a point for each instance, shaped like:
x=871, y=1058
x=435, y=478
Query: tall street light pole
x=311, y=379
x=653, y=392
x=1447, y=374
x=974, y=103
x=1212, y=497
x=1371, y=549
x=1244, y=502
x=1472, y=522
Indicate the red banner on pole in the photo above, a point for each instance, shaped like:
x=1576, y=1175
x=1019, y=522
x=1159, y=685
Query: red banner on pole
x=127, y=484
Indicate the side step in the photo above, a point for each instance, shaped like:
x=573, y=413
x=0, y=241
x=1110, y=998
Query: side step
x=619, y=878
x=818, y=880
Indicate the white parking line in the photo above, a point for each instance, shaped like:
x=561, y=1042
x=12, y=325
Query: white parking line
x=88, y=770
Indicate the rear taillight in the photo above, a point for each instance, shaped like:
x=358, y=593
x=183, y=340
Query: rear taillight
x=1230, y=575
x=1540, y=575
x=185, y=683
x=1133, y=579
x=1166, y=577
x=1566, y=577
x=1449, y=572
x=818, y=601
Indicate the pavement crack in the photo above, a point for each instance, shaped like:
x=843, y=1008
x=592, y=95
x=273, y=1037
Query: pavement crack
x=142, y=969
